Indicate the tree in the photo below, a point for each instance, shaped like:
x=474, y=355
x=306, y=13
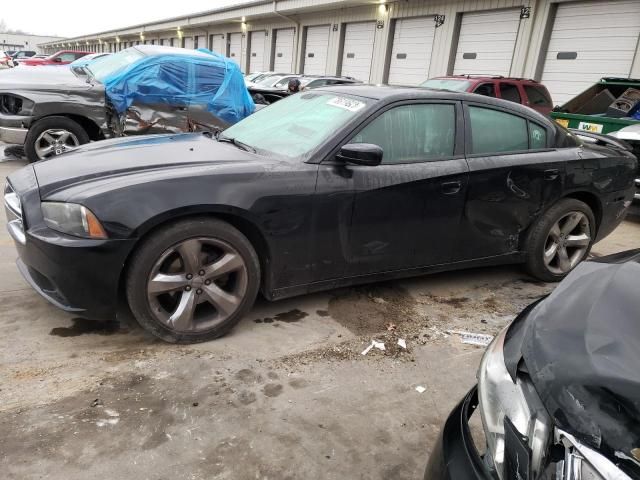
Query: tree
x=5, y=29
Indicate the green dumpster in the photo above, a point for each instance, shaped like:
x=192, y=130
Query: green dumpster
x=591, y=110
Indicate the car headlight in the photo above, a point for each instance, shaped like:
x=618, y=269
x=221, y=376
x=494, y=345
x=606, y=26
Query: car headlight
x=15, y=105
x=72, y=219
x=501, y=399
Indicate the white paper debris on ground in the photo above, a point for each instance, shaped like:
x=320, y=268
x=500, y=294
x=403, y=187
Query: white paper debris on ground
x=107, y=421
x=470, y=338
x=420, y=389
x=402, y=342
x=111, y=413
x=374, y=344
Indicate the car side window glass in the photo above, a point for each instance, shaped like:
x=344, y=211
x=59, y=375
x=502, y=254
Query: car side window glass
x=509, y=91
x=486, y=89
x=208, y=79
x=412, y=133
x=537, y=96
x=537, y=136
x=493, y=131
x=67, y=57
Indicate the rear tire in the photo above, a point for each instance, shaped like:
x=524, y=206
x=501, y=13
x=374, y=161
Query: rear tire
x=43, y=133
x=559, y=240
x=193, y=281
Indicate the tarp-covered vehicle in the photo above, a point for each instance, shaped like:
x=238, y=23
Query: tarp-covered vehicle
x=141, y=90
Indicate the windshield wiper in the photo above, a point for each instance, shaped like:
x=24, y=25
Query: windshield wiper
x=237, y=143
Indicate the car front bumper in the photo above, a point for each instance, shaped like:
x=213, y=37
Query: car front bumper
x=455, y=456
x=13, y=135
x=75, y=274
x=12, y=128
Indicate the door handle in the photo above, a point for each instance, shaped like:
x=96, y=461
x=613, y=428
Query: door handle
x=551, y=174
x=451, y=188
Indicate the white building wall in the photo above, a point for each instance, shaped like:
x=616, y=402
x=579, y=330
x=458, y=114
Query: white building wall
x=528, y=56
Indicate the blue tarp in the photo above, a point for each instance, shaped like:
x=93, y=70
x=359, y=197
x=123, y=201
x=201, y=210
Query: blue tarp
x=204, y=78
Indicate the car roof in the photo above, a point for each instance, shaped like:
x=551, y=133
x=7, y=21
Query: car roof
x=391, y=93
x=484, y=78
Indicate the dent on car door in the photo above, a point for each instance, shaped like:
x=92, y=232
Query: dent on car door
x=514, y=175
x=152, y=113
x=404, y=212
x=207, y=81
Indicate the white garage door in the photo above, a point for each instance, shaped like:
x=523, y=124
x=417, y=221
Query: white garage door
x=315, y=50
x=590, y=40
x=411, y=52
x=486, y=43
x=217, y=44
x=358, y=50
x=235, y=47
x=283, y=61
x=188, y=42
x=256, y=59
x=199, y=41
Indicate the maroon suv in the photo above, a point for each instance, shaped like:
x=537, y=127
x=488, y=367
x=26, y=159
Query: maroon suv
x=519, y=90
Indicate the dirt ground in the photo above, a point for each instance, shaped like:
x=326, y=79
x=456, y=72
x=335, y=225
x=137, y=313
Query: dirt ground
x=286, y=395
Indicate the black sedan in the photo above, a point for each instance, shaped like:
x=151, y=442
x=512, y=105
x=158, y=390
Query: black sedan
x=559, y=389
x=334, y=187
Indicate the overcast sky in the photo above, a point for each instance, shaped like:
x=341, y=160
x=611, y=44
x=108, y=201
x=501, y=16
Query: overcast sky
x=70, y=18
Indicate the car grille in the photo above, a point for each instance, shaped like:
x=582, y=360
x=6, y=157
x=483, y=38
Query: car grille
x=13, y=210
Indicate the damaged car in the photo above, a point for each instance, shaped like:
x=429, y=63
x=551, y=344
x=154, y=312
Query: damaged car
x=558, y=389
x=140, y=90
x=329, y=188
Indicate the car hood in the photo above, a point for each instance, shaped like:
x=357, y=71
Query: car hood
x=580, y=347
x=45, y=78
x=129, y=156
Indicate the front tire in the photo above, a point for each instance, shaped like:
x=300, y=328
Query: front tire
x=559, y=240
x=52, y=136
x=192, y=281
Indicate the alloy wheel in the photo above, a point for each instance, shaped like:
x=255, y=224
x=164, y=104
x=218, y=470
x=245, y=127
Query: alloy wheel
x=567, y=243
x=197, y=284
x=55, y=142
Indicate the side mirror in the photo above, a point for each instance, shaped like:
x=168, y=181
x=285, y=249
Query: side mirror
x=366, y=154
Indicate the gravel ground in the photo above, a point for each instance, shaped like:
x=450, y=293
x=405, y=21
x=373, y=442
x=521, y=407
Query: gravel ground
x=286, y=395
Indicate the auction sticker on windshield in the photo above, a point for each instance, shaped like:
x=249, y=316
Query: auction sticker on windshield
x=346, y=103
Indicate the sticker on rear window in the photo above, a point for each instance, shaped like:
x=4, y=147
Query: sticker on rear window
x=346, y=103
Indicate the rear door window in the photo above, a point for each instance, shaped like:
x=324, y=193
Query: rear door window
x=509, y=91
x=486, y=89
x=67, y=57
x=538, y=96
x=494, y=131
x=537, y=136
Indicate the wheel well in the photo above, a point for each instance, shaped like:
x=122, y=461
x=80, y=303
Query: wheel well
x=89, y=126
x=247, y=228
x=92, y=129
x=592, y=201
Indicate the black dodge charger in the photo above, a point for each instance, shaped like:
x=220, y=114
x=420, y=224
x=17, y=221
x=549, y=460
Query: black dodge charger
x=328, y=188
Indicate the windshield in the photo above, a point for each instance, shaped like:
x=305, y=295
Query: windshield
x=102, y=67
x=447, y=84
x=296, y=125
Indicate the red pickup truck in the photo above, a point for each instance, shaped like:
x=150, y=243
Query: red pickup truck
x=63, y=57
